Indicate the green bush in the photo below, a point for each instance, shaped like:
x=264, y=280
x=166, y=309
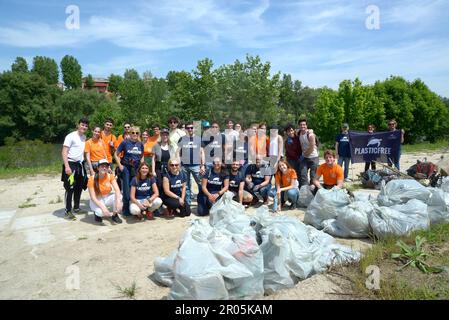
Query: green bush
x=29, y=154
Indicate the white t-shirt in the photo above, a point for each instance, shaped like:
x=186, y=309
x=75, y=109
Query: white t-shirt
x=304, y=140
x=76, y=144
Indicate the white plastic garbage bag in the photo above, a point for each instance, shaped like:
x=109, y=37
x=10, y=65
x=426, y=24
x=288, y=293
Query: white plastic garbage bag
x=163, y=269
x=386, y=221
x=401, y=191
x=438, y=206
x=305, y=196
x=351, y=222
x=326, y=205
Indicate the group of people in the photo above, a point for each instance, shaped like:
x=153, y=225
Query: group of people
x=146, y=173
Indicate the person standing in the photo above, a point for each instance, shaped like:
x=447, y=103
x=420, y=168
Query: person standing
x=73, y=174
x=371, y=129
x=191, y=153
x=395, y=160
x=343, y=149
x=175, y=133
x=109, y=140
x=293, y=149
x=162, y=152
x=309, y=158
x=95, y=150
x=132, y=157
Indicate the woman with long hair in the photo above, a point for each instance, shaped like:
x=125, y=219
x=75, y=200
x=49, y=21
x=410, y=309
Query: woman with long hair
x=95, y=150
x=286, y=182
x=162, y=152
x=175, y=186
x=144, y=193
x=102, y=198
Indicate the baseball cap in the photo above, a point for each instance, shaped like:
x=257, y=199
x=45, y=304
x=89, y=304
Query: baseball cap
x=103, y=161
x=345, y=125
x=205, y=124
x=164, y=130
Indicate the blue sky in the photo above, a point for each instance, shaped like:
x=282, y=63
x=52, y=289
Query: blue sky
x=318, y=42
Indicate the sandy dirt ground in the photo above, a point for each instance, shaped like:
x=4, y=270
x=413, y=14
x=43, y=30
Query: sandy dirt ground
x=42, y=254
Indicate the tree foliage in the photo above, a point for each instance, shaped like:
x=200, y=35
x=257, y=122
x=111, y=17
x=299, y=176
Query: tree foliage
x=71, y=72
x=46, y=68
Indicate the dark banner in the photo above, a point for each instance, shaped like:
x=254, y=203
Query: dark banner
x=378, y=146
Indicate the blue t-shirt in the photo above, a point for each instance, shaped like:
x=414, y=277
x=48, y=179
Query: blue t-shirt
x=144, y=188
x=175, y=182
x=343, y=145
x=214, y=146
x=257, y=174
x=190, y=150
x=235, y=180
x=215, y=181
x=240, y=151
x=132, y=152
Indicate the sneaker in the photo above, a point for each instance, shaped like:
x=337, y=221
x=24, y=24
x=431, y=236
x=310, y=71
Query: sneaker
x=116, y=218
x=78, y=210
x=347, y=180
x=69, y=215
x=98, y=219
x=150, y=215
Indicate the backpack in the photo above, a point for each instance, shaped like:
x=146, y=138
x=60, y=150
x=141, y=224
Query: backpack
x=317, y=141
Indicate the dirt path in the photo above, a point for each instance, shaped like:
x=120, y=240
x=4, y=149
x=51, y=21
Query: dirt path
x=42, y=253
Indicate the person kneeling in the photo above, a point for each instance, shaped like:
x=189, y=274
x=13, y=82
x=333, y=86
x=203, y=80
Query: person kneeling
x=332, y=173
x=213, y=185
x=144, y=194
x=101, y=197
x=286, y=182
x=237, y=184
x=174, y=184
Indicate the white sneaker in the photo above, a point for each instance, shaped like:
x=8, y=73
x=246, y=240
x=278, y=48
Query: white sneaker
x=347, y=180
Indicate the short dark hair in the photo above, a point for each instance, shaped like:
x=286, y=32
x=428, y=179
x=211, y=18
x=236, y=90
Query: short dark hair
x=109, y=120
x=288, y=127
x=84, y=120
x=214, y=122
x=156, y=125
x=189, y=123
x=173, y=118
x=302, y=120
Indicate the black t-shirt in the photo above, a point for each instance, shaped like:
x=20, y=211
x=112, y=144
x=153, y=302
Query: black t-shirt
x=190, y=152
x=258, y=174
x=215, y=181
x=235, y=180
x=214, y=146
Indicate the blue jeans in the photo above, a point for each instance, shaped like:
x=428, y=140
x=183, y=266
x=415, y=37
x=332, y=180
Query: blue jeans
x=195, y=171
x=204, y=204
x=264, y=191
x=347, y=161
x=292, y=196
x=126, y=181
x=306, y=165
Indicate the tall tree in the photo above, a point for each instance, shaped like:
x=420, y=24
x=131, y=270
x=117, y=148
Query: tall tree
x=71, y=72
x=47, y=68
x=89, y=82
x=131, y=74
x=114, y=83
x=19, y=65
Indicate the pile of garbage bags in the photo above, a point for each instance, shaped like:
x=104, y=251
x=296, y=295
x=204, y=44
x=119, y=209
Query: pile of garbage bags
x=401, y=207
x=236, y=256
x=372, y=179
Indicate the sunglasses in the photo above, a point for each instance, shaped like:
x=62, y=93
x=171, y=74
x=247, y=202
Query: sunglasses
x=189, y=128
x=127, y=127
x=172, y=122
x=174, y=165
x=134, y=132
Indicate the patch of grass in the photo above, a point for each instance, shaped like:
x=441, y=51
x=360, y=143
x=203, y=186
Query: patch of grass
x=129, y=292
x=398, y=283
x=58, y=200
x=82, y=238
x=27, y=205
x=9, y=173
x=426, y=146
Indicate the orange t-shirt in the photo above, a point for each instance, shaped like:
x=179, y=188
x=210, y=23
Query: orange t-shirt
x=330, y=174
x=285, y=180
x=148, y=146
x=106, y=140
x=96, y=149
x=105, y=184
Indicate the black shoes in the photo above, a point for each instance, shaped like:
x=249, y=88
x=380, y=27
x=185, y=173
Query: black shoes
x=69, y=215
x=98, y=219
x=116, y=218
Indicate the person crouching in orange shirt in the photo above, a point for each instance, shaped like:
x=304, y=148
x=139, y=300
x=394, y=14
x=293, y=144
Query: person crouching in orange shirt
x=332, y=173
